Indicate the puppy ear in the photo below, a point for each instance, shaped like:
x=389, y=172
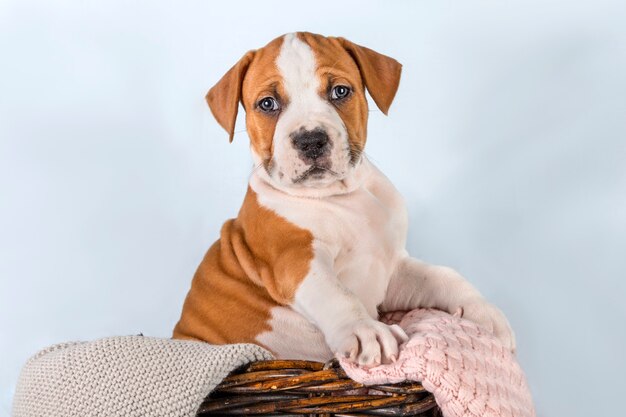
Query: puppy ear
x=224, y=97
x=380, y=73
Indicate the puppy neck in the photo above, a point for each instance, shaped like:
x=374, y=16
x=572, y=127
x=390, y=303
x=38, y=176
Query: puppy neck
x=260, y=180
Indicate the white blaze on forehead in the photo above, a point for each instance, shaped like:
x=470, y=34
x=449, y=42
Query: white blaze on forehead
x=296, y=63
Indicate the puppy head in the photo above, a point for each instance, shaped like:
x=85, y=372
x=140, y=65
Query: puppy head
x=306, y=110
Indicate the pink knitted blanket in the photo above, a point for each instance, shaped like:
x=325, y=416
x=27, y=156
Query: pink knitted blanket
x=465, y=367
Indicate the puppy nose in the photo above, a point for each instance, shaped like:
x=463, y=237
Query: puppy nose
x=311, y=143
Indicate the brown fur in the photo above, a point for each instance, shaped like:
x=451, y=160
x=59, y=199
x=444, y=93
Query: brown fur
x=335, y=67
x=223, y=99
x=256, y=265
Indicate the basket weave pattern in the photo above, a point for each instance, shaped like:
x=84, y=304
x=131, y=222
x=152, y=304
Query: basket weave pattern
x=292, y=387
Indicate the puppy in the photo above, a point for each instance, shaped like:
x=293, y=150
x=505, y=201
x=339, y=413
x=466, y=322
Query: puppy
x=318, y=247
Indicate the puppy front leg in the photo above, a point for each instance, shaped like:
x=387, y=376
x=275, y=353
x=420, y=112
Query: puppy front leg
x=415, y=284
x=349, y=331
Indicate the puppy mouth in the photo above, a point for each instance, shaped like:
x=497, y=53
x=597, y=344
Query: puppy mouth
x=314, y=172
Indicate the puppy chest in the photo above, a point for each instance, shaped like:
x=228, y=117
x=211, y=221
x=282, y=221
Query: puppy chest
x=368, y=225
x=370, y=238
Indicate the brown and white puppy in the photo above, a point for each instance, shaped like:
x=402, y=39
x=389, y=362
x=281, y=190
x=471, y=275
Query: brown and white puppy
x=318, y=247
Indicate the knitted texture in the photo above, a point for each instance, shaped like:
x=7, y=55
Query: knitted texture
x=126, y=376
x=467, y=369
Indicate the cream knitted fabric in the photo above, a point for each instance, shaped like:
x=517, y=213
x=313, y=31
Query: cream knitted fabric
x=126, y=376
x=467, y=369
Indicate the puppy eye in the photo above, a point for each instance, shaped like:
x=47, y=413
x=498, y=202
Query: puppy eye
x=268, y=104
x=340, y=92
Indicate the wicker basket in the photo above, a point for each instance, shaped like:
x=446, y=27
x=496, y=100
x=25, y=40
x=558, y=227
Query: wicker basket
x=296, y=388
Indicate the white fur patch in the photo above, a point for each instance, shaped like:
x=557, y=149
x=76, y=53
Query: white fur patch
x=294, y=337
x=358, y=240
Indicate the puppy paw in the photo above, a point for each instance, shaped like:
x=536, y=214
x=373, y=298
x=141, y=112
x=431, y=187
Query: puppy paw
x=368, y=342
x=491, y=318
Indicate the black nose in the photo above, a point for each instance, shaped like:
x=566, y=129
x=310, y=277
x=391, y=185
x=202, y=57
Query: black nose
x=310, y=143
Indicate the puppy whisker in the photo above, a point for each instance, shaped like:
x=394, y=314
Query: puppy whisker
x=256, y=168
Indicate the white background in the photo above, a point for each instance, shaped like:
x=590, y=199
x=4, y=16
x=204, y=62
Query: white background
x=507, y=138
